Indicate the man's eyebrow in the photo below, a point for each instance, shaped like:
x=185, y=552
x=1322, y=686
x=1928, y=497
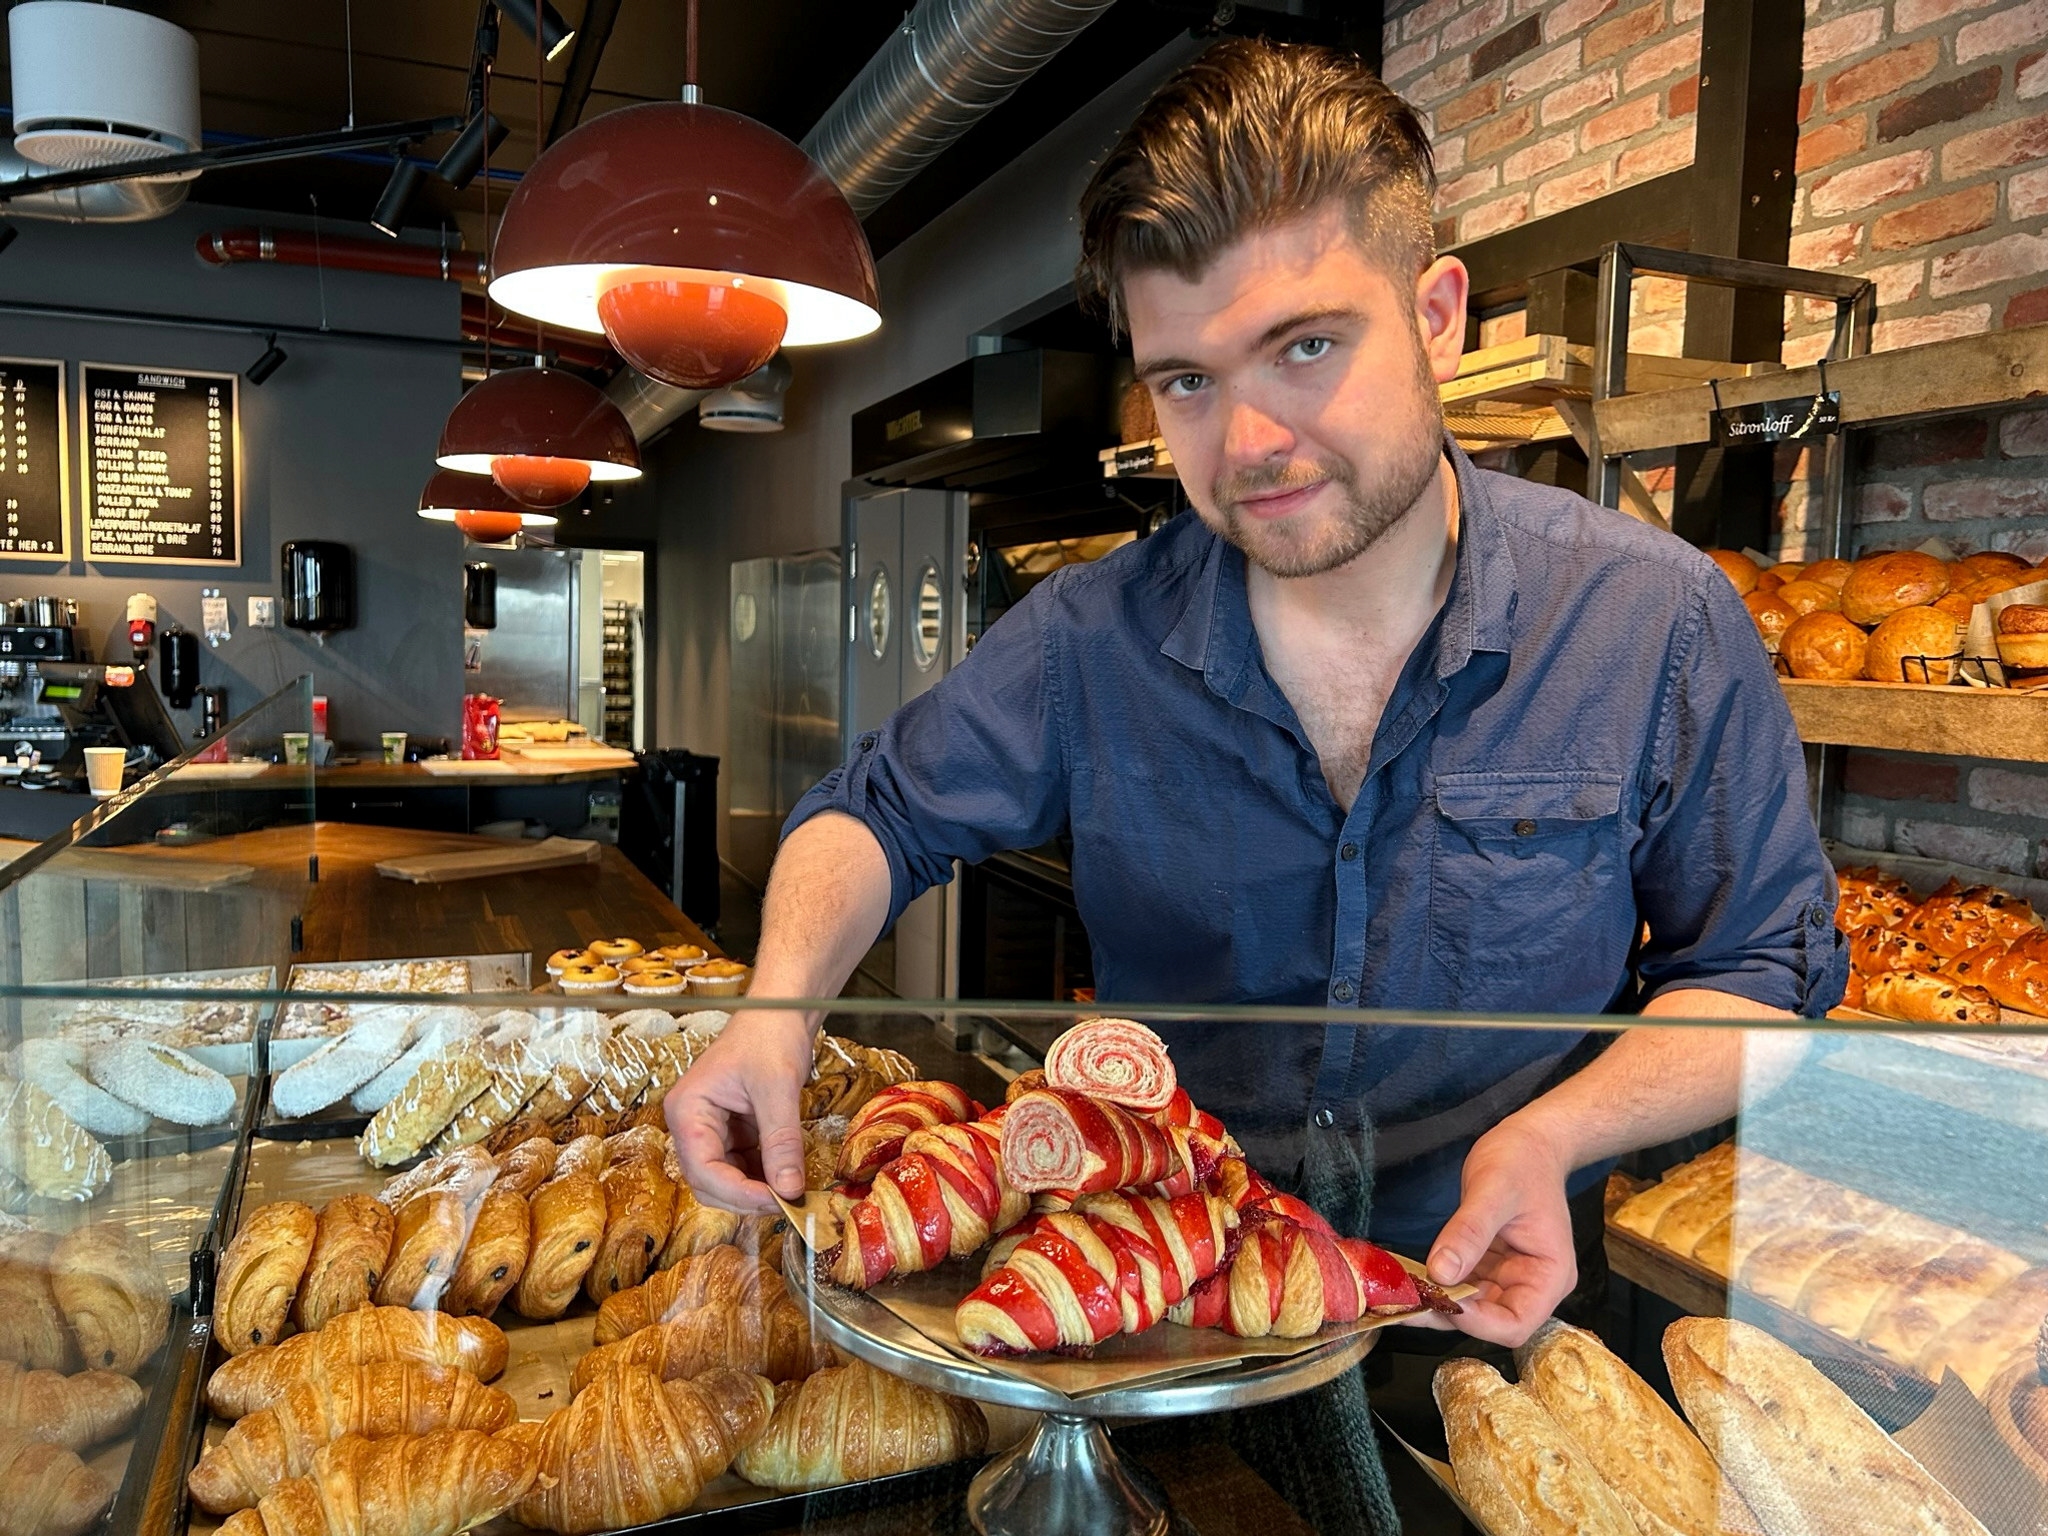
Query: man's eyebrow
x=1153, y=367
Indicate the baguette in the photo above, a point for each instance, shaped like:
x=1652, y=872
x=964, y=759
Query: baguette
x=1521, y=1473
x=1843, y=1293
x=1805, y=1457
x=2001, y=1326
x=1938, y=1295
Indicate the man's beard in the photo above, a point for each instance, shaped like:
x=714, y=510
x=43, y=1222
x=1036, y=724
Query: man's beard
x=1361, y=515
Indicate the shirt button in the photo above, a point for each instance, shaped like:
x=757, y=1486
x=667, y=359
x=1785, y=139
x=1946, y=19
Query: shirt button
x=1341, y=991
x=1324, y=1119
x=1817, y=916
x=1348, y=852
x=867, y=742
x=1525, y=828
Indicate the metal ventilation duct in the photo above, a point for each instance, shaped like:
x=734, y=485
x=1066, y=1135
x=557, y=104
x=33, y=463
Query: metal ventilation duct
x=946, y=67
x=949, y=65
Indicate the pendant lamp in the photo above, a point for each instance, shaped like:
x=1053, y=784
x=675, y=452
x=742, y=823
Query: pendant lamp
x=696, y=239
x=542, y=435
x=483, y=511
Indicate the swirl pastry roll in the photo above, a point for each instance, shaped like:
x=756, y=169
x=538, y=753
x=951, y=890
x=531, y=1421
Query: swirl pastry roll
x=1055, y=1140
x=1115, y=1059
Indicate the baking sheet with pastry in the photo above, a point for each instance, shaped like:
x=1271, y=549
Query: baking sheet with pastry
x=303, y=1028
x=543, y=1355
x=924, y=1303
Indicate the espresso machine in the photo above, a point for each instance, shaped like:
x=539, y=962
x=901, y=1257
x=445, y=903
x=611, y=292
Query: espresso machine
x=35, y=632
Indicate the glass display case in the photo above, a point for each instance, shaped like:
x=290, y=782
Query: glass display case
x=136, y=951
x=1835, y=1291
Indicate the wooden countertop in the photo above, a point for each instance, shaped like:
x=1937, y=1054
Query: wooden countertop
x=413, y=776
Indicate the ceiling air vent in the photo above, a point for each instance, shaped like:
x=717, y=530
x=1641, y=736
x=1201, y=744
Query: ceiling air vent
x=99, y=85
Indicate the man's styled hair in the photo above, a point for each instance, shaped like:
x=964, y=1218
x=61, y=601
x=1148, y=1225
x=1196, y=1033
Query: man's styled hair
x=1249, y=135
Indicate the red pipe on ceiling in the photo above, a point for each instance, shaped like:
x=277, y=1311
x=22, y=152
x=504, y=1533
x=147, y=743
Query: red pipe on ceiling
x=294, y=247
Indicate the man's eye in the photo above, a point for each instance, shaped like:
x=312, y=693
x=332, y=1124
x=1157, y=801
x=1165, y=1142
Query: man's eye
x=1180, y=386
x=1309, y=348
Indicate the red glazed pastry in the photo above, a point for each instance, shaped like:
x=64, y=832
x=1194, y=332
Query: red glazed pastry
x=1114, y=1059
x=1288, y=1281
x=875, y=1135
x=942, y=1198
x=1054, y=1140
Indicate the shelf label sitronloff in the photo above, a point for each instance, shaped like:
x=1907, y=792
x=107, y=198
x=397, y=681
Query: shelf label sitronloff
x=161, y=466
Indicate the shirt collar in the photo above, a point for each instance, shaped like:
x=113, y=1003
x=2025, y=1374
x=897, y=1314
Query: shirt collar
x=1214, y=633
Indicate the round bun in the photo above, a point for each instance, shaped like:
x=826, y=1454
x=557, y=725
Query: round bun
x=1771, y=617
x=1788, y=570
x=1915, y=645
x=1992, y=562
x=2023, y=619
x=1824, y=647
x=1829, y=573
x=1738, y=568
x=1768, y=580
x=1804, y=597
x=1880, y=585
x=1955, y=605
x=2023, y=637
x=1985, y=586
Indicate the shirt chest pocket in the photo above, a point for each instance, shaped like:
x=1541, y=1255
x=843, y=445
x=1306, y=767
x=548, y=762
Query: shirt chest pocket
x=1526, y=868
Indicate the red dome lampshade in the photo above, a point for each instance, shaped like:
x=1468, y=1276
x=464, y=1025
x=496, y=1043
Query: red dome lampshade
x=696, y=239
x=478, y=507
x=540, y=434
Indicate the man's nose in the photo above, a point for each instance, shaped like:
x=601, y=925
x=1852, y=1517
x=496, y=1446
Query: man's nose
x=1254, y=435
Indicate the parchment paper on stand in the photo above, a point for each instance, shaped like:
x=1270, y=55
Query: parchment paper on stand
x=916, y=1312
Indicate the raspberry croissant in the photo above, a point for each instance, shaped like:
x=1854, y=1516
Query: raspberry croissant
x=944, y=1197
x=850, y=1423
x=1054, y=1140
x=435, y=1484
x=381, y=1400
x=1287, y=1281
x=634, y=1448
x=1113, y=1264
x=876, y=1133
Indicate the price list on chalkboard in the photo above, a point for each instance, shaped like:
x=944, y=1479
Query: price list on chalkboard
x=160, y=470
x=35, y=500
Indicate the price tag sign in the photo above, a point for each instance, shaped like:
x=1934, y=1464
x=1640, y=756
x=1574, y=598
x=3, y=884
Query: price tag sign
x=35, y=483
x=1779, y=421
x=162, y=466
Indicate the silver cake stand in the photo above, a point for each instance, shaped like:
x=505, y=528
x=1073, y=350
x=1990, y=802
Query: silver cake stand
x=1065, y=1478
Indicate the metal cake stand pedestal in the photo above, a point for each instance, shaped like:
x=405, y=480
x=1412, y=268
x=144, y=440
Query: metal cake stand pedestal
x=1067, y=1477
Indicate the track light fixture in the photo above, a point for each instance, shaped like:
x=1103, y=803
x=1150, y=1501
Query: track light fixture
x=540, y=21
x=388, y=217
x=465, y=157
x=273, y=358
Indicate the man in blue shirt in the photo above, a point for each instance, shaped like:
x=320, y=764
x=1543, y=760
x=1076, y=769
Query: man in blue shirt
x=1371, y=728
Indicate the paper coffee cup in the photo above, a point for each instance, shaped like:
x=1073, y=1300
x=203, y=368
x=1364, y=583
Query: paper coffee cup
x=298, y=746
x=103, y=770
x=394, y=746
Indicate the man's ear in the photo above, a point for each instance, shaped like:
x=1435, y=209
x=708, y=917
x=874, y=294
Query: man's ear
x=1440, y=294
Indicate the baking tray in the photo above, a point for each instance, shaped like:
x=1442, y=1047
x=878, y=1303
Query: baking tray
x=488, y=974
x=538, y=1369
x=232, y=1058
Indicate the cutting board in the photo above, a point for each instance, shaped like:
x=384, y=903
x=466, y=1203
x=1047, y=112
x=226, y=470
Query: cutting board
x=568, y=754
x=505, y=859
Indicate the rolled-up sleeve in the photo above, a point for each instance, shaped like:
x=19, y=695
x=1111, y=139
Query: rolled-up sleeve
x=1729, y=874
x=970, y=767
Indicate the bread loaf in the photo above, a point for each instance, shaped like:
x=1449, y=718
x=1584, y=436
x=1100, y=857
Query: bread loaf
x=1881, y=585
x=1938, y=1295
x=1521, y=1473
x=1804, y=1456
x=2003, y=1325
x=1824, y=647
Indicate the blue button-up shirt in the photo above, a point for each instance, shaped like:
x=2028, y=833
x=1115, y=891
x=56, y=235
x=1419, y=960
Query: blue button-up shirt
x=1588, y=739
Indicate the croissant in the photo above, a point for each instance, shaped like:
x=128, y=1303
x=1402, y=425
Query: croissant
x=663, y=1295
x=435, y=1484
x=568, y=1223
x=71, y=1411
x=494, y=1257
x=1113, y=1264
x=875, y=1134
x=1056, y=1140
x=728, y=1311
x=259, y=1275
x=639, y=1208
x=944, y=1197
x=388, y=1398
x=699, y=1228
x=527, y=1164
x=351, y=1243
x=635, y=1448
x=427, y=1240
x=46, y=1490
x=112, y=1294
x=32, y=1327
x=259, y=1377
x=849, y=1423
x=1287, y=1281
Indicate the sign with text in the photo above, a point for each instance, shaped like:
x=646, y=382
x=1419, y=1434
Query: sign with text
x=1779, y=421
x=35, y=484
x=162, y=466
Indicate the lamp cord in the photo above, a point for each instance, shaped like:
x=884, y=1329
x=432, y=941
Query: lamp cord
x=540, y=144
x=348, y=49
x=690, y=43
x=490, y=236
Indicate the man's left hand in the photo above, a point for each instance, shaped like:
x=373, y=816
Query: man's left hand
x=1511, y=1236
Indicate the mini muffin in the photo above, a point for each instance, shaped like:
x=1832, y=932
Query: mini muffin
x=656, y=981
x=612, y=951
x=585, y=977
x=683, y=956
x=562, y=959
x=718, y=978
x=650, y=962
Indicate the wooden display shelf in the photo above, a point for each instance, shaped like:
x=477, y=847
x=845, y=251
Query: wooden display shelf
x=1942, y=377
x=1908, y=717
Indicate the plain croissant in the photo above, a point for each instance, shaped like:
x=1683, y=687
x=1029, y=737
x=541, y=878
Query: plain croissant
x=664, y=1295
x=409, y=1485
x=851, y=1422
x=71, y=1411
x=634, y=1448
x=378, y=1401
x=727, y=1312
x=259, y=1377
x=46, y=1490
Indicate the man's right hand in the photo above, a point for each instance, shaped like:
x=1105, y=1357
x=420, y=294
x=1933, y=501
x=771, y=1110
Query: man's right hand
x=734, y=1114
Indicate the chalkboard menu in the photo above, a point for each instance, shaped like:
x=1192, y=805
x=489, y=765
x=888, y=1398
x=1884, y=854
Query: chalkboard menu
x=161, y=481
x=35, y=495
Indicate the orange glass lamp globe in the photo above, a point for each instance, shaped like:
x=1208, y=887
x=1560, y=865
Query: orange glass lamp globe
x=691, y=334
x=539, y=480
x=488, y=527
x=479, y=508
